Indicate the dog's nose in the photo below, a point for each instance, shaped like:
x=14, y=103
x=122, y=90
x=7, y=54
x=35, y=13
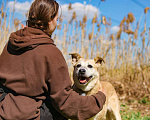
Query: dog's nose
x=82, y=71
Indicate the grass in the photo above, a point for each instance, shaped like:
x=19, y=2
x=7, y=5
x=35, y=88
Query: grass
x=133, y=116
x=128, y=113
x=144, y=101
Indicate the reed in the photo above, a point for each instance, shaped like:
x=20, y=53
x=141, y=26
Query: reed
x=6, y=25
x=126, y=60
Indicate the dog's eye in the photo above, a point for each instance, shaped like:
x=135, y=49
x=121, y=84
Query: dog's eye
x=90, y=66
x=79, y=65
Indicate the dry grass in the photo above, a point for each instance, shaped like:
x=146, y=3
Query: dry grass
x=6, y=25
x=127, y=62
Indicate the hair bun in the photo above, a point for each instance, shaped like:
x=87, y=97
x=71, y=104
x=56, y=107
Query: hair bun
x=39, y=24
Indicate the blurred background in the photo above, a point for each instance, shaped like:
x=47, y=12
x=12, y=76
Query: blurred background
x=116, y=30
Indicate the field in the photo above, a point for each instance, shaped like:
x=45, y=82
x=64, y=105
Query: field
x=126, y=55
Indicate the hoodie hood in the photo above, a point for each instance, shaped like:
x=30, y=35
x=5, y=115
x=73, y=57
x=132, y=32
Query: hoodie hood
x=27, y=39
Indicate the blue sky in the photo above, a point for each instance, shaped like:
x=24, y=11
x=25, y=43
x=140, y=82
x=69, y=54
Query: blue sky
x=114, y=9
x=117, y=9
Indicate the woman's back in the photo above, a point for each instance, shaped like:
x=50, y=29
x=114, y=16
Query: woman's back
x=35, y=69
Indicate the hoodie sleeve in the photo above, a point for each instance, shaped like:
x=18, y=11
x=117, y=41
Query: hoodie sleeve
x=63, y=98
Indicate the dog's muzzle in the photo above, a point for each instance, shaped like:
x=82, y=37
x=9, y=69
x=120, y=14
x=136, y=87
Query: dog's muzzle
x=82, y=78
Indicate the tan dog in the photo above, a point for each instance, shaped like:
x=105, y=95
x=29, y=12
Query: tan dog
x=86, y=82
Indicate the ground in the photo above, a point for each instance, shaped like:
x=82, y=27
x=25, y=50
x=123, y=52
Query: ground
x=133, y=98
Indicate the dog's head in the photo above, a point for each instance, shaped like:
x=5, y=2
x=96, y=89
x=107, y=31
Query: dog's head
x=85, y=73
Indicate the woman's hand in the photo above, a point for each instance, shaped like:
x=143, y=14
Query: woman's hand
x=102, y=90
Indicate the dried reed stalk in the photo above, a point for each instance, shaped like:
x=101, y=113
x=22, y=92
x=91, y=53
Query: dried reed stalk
x=121, y=56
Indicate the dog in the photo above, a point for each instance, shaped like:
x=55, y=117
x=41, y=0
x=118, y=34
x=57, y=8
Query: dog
x=86, y=82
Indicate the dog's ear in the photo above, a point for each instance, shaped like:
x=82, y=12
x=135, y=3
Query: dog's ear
x=75, y=57
x=99, y=60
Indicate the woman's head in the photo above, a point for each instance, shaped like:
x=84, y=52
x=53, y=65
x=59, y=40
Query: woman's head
x=43, y=14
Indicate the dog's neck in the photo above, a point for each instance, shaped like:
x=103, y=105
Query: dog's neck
x=94, y=90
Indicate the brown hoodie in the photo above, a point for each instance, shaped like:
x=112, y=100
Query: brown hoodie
x=32, y=66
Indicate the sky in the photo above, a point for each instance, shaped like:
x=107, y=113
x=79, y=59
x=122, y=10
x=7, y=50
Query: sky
x=114, y=9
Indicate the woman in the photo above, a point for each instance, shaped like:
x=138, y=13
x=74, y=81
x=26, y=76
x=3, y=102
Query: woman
x=33, y=71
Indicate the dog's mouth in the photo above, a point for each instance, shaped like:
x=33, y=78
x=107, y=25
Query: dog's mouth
x=84, y=80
